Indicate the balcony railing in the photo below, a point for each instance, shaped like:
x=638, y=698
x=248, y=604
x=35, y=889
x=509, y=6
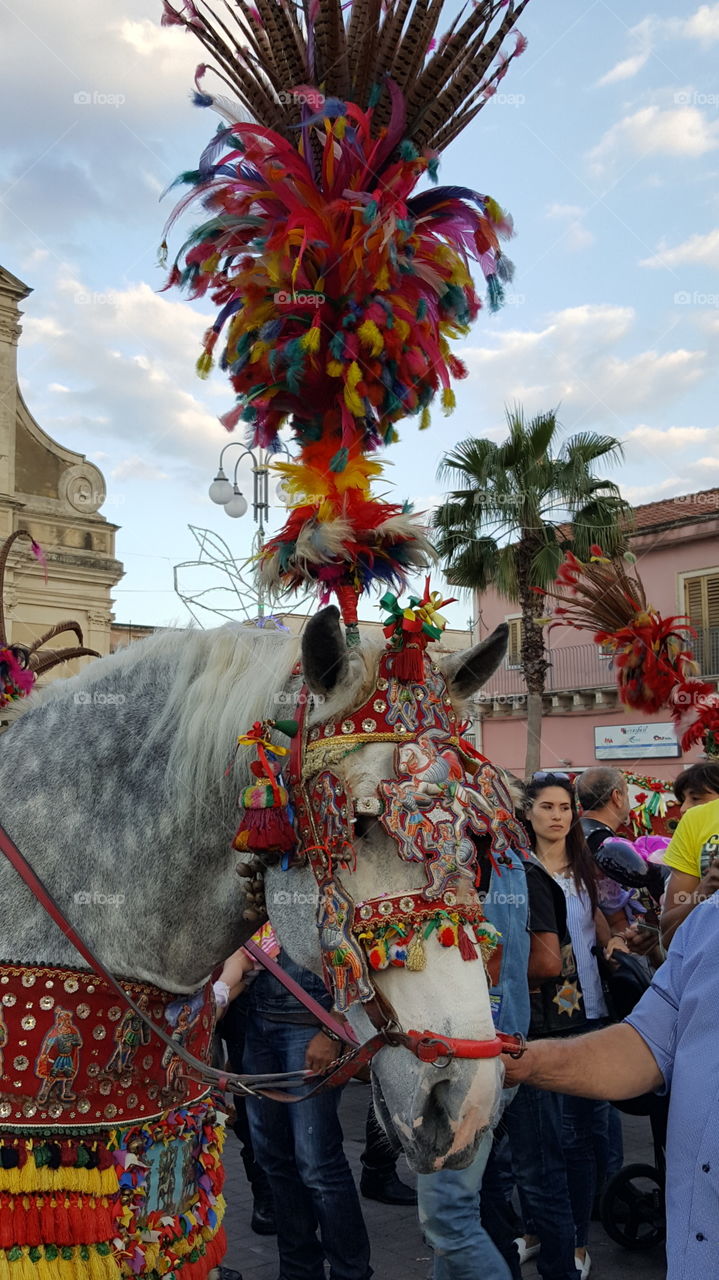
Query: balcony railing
x=582, y=666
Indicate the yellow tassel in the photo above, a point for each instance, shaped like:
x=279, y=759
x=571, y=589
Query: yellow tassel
x=204, y=364
x=449, y=400
x=402, y=328
x=43, y=1270
x=310, y=341
x=416, y=958
x=370, y=335
x=335, y=369
x=23, y=1268
x=426, y=420
x=382, y=283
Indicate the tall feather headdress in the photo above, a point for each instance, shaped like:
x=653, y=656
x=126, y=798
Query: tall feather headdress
x=340, y=287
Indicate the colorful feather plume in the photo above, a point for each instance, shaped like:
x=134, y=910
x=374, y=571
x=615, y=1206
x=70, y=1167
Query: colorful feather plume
x=651, y=655
x=340, y=288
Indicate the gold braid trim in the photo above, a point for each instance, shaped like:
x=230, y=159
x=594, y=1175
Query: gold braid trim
x=325, y=751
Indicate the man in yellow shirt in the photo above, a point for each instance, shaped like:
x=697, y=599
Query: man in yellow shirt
x=693, y=853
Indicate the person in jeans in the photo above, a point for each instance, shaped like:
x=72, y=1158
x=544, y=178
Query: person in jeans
x=299, y=1145
x=554, y=1139
x=449, y=1201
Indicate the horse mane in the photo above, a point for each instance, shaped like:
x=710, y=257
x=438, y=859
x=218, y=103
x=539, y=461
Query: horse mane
x=221, y=681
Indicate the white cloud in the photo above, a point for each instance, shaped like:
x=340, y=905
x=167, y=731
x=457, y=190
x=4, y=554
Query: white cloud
x=642, y=35
x=58, y=386
x=572, y=361
x=128, y=356
x=678, y=131
x=577, y=236
x=638, y=494
x=625, y=69
x=651, y=31
x=699, y=249
x=137, y=468
x=702, y=25
x=666, y=438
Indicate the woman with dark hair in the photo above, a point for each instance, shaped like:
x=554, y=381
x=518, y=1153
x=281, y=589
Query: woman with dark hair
x=575, y=1005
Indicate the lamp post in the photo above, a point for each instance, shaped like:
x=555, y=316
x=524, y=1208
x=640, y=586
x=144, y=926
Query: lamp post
x=233, y=500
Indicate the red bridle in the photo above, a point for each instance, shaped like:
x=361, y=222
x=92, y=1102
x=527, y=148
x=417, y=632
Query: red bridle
x=427, y=1046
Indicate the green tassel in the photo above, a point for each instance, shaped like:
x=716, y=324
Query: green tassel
x=288, y=727
x=496, y=293
x=340, y=460
x=407, y=150
x=374, y=95
x=433, y=169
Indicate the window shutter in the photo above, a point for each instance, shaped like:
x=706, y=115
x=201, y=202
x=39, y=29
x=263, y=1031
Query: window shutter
x=693, y=601
x=514, y=648
x=701, y=603
x=712, y=615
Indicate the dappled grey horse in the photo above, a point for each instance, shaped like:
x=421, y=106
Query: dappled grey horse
x=120, y=788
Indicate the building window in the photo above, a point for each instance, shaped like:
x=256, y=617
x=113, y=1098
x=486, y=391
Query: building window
x=514, y=648
x=701, y=604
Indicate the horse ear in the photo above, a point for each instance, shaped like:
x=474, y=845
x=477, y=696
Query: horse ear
x=324, y=652
x=465, y=673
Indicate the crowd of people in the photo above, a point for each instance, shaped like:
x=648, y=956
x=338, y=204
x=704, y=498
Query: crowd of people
x=533, y=1187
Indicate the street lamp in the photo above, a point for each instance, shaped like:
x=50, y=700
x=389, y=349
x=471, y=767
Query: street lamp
x=230, y=496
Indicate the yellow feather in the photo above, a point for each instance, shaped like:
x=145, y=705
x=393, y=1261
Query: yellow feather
x=370, y=335
x=310, y=341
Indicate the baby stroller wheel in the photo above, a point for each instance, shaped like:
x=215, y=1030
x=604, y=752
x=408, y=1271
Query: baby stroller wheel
x=632, y=1208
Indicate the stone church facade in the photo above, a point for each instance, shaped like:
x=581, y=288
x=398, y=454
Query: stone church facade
x=55, y=494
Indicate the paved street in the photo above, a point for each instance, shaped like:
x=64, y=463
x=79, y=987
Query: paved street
x=398, y=1252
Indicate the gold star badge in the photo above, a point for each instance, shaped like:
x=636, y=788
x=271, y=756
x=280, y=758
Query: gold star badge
x=568, y=998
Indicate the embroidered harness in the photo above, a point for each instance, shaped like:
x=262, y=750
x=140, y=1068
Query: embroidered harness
x=438, y=806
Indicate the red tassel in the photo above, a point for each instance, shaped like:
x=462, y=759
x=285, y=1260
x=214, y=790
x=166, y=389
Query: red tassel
x=18, y=1220
x=347, y=598
x=80, y=1222
x=7, y=1233
x=63, y=1234
x=47, y=1221
x=265, y=829
x=467, y=948
x=33, y=1233
x=408, y=663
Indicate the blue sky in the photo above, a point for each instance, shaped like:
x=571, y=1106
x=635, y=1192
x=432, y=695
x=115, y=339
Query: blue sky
x=603, y=143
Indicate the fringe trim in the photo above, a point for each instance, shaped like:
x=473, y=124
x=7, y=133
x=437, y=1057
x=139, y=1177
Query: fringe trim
x=31, y=1179
x=80, y=1262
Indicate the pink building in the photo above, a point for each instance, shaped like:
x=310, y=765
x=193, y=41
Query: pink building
x=676, y=543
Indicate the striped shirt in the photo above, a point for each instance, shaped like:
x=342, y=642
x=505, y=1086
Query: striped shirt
x=583, y=932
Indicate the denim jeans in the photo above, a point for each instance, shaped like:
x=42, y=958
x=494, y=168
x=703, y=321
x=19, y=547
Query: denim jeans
x=231, y=1029
x=534, y=1125
x=300, y=1148
x=449, y=1217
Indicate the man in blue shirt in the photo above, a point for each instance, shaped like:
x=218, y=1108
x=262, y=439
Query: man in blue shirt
x=669, y=1040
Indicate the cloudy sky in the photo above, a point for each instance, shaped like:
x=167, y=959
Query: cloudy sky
x=603, y=144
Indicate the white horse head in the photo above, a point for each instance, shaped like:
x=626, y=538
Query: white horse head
x=438, y=1114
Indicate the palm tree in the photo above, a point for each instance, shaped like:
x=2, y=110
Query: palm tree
x=506, y=524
